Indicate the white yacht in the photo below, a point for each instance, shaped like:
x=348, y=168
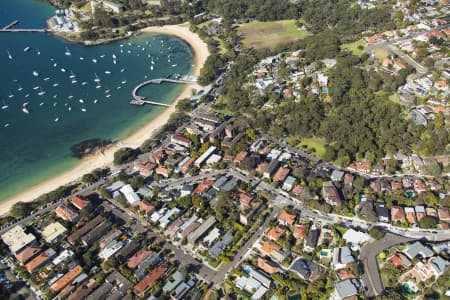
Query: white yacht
x=67, y=53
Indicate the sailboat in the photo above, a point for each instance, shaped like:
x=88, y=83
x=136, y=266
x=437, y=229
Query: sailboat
x=83, y=109
x=9, y=54
x=74, y=81
x=11, y=95
x=41, y=93
x=72, y=75
x=26, y=49
x=107, y=96
x=81, y=101
x=35, y=73
x=4, y=106
x=70, y=97
x=46, y=78
x=25, y=110
x=36, y=88
x=103, y=55
x=114, y=62
x=38, y=52
x=20, y=88
x=114, y=56
x=42, y=103
x=124, y=81
x=98, y=86
x=95, y=100
x=55, y=84
x=84, y=83
x=67, y=53
x=107, y=72
x=96, y=78
x=63, y=70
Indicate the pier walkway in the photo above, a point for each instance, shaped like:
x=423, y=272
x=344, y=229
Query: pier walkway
x=11, y=25
x=24, y=30
x=141, y=100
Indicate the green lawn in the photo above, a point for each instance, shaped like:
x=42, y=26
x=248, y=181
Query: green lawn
x=354, y=47
x=264, y=35
x=318, y=144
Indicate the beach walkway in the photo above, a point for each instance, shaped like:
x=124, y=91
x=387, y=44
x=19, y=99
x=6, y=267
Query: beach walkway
x=141, y=100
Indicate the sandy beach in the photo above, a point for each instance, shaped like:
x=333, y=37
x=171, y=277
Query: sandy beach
x=88, y=164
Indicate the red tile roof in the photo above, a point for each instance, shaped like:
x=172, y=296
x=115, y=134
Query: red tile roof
x=299, y=231
x=66, y=279
x=270, y=246
x=240, y=157
x=27, y=254
x=150, y=279
x=202, y=187
x=276, y=232
x=286, y=218
x=245, y=198
x=397, y=214
x=79, y=202
x=443, y=214
x=267, y=266
x=139, y=257
x=281, y=174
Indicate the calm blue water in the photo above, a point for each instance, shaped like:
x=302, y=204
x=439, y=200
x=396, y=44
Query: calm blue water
x=36, y=146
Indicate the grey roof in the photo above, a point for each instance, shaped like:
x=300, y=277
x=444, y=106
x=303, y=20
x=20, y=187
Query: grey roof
x=197, y=233
x=115, y=186
x=127, y=251
x=100, y=292
x=290, y=180
x=418, y=248
x=220, y=182
x=337, y=175
x=145, y=192
x=220, y=246
x=210, y=194
x=312, y=238
x=303, y=268
x=170, y=285
x=439, y=264
x=141, y=271
x=231, y=184
x=347, y=288
x=382, y=210
x=345, y=255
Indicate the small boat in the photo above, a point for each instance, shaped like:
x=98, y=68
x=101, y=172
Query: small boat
x=94, y=60
x=9, y=55
x=129, y=44
x=35, y=73
x=46, y=78
x=56, y=119
x=114, y=62
x=174, y=65
x=107, y=72
x=55, y=95
x=20, y=88
x=27, y=95
x=63, y=70
x=69, y=108
x=41, y=93
x=122, y=70
x=152, y=62
x=54, y=65
x=55, y=103
x=96, y=78
x=83, y=109
x=98, y=86
x=129, y=51
x=11, y=95
x=81, y=100
x=114, y=56
x=25, y=110
x=121, y=51
x=26, y=49
x=36, y=88
x=67, y=53
x=74, y=81
x=151, y=68
x=81, y=58
x=145, y=76
x=84, y=83
x=42, y=103
x=72, y=75
x=4, y=106
x=119, y=87
x=107, y=96
x=6, y=125
x=70, y=97
x=123, y=82
x=65, y=104
x=95, y=100
x=38, y=52
x=25, y=104
x=103, y=55
x=55, y=84
x=107, y=91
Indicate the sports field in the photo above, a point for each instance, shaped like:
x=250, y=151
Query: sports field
x=264, y=35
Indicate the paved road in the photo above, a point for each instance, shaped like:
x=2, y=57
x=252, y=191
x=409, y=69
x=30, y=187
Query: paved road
x=371, y=277
x=223, y=272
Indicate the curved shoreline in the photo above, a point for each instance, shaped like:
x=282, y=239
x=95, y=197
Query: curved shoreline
x=90, y=163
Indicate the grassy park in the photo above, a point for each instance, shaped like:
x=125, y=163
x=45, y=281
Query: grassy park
x=266, y=35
